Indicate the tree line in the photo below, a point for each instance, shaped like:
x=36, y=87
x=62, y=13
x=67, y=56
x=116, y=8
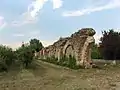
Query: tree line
x=110, y=45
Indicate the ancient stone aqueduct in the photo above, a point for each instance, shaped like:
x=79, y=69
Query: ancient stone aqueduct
x=77, y=45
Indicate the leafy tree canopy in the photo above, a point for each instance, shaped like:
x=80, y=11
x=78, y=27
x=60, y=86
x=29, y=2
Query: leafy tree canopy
x=110, y=44
x=36, y=45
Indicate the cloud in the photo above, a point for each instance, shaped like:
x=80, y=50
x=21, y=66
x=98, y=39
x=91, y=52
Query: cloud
x=47, y=43
x=18, y=44
x=34, y=34
x=35, y=7
x=37, y=32
x=57, y=4
x=13, y=45
x=18, y=35
x=97, y=37
x=2, y=26
x=24, y=19
x=30, y=34
x=2, y=23
x=30, y=16
x=1, y=20
x=112, y=4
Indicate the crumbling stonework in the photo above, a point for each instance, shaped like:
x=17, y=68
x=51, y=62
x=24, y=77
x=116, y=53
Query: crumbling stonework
x=77, y=45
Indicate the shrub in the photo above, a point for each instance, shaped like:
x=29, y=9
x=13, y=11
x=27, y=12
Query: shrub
x=6, y=57
x=3, y=67
x=95, y=53
x=25, y=55
x=69, y=62
x=64, y=61
x=72, y=62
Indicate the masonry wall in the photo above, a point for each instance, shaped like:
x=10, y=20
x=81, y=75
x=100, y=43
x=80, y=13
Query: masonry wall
x=77, y=45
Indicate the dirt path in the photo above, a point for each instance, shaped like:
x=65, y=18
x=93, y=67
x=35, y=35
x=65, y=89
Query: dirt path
x=50, y=77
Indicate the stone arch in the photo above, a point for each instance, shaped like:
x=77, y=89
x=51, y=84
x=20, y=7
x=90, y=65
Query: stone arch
x=69, y=50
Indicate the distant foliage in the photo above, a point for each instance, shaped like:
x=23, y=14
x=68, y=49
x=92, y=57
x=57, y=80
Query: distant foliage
x=110, y=45
x=95, y=54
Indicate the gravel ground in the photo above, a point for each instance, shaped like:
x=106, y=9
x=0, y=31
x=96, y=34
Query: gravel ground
x=49, y=77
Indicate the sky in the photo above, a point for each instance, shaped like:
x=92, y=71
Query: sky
x=48, y=20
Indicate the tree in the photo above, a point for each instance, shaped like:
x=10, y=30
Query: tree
x=36, y=45
x=110, y=45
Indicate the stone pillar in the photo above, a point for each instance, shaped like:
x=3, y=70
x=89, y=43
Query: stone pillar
x=88, y=59
x=89, y=54
x=84, y=54
x=43, y=54
x=59, y=51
